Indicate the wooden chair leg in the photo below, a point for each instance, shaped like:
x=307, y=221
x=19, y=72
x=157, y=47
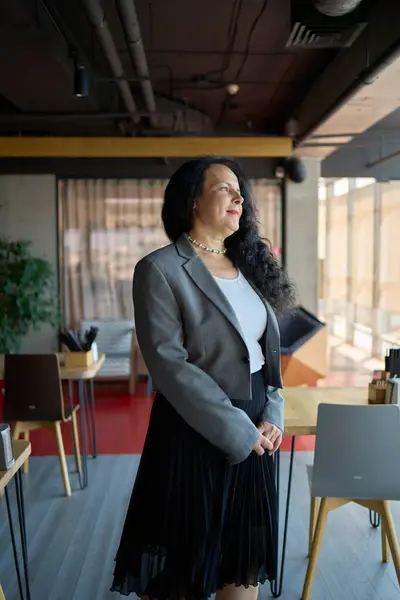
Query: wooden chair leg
x=16, y=432
x=2, y=596
x=77, y=447
x=385, y=544
x=390, y=531
x=315, y=549
x=61, y=455
x=314, y=507
x=26, y=463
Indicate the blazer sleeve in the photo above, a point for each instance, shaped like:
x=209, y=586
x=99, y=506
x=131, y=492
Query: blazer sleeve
x=193, y=394
x=274, y=407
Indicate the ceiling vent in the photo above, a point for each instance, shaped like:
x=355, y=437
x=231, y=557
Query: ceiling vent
x=311, y=29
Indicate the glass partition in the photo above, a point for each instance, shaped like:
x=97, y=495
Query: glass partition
x=360, y=287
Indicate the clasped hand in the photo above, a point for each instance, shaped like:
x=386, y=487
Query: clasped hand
x=270, y=438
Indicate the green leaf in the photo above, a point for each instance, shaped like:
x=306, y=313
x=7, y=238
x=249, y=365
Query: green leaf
x=28, y=294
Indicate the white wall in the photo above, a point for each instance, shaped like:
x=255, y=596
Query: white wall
x=28, y=210
x=302, y=235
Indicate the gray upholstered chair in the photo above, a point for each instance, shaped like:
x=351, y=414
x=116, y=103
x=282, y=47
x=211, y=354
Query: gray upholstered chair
x=356, y=460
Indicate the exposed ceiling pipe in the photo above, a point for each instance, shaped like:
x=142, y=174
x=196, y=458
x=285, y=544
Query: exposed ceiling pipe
x=98, y=21
x=336, y=8
x=130, y=23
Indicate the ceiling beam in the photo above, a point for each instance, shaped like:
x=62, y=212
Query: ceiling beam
x=150, y=147
x=352, y=68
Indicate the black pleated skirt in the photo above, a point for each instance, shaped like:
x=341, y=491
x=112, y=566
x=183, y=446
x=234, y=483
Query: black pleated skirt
x=195, y=523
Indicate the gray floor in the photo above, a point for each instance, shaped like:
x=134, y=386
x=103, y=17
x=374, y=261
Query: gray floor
x=72, y=541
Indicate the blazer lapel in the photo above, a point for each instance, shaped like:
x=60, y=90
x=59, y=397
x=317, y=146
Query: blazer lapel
x=204, y=280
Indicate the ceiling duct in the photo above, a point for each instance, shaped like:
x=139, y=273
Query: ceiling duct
x=336, y=8
x=312, y=29
x=176, y=118
x=99, y=23
x=131, y=26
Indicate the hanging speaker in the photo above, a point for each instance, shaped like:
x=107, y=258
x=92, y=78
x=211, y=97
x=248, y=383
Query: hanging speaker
x=304, y=347
x=293, y=168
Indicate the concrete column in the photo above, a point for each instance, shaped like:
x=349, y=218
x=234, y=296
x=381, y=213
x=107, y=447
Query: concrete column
x=301, y=235
x=28, y=211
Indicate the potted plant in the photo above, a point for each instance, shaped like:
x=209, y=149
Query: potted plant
x=28, y=296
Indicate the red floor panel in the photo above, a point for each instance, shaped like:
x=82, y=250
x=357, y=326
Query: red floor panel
x=122, y=421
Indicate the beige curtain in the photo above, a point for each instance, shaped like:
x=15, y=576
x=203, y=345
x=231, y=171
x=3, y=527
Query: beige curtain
x=371, y=318
x=362, y=273
x=390, y=253
x=267, y=198
x=108, y=225
x=389, y=268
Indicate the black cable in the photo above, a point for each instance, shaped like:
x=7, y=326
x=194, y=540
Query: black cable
x=250, y=35
x=232, y=33
x=151, y=25
x=226, y=101
x=232, y=28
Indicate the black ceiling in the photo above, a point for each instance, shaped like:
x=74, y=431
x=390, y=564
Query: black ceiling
x=190, y=61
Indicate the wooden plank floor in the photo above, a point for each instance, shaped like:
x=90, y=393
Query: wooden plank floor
x=72, y=541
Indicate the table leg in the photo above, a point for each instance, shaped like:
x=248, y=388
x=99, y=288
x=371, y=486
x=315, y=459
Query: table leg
x=22, y=529
x=14, y=545
x=71, y=404
x=374, y=519
x=149, y=388
x=82, y=410
x=277, y=584
x=93, y=419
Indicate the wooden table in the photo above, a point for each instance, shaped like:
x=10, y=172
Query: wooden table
x=301, y=405
x=301, y=412
x=82, y=375
x=87, y=411
x=21, y=450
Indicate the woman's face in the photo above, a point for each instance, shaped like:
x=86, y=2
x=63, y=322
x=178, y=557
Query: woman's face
x=219, y=207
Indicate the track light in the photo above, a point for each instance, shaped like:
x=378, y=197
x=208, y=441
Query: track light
x=81, y=80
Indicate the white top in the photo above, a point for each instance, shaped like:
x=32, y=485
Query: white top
x=251, y=314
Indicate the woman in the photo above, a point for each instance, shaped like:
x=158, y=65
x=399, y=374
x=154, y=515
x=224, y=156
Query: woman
x=202, y=517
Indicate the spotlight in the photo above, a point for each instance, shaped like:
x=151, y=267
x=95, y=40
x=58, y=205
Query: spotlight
x=81, y=80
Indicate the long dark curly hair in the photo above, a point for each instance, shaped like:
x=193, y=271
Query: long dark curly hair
x=246, y=248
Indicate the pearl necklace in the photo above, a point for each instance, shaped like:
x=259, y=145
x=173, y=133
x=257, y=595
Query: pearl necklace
x=203, y=247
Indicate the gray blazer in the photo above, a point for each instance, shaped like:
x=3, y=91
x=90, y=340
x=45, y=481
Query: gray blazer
x=195, y=352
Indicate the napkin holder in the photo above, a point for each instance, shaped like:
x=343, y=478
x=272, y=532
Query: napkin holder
x=78, y=360
x=6, y=450
x=393, y=391
x=377, y=392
